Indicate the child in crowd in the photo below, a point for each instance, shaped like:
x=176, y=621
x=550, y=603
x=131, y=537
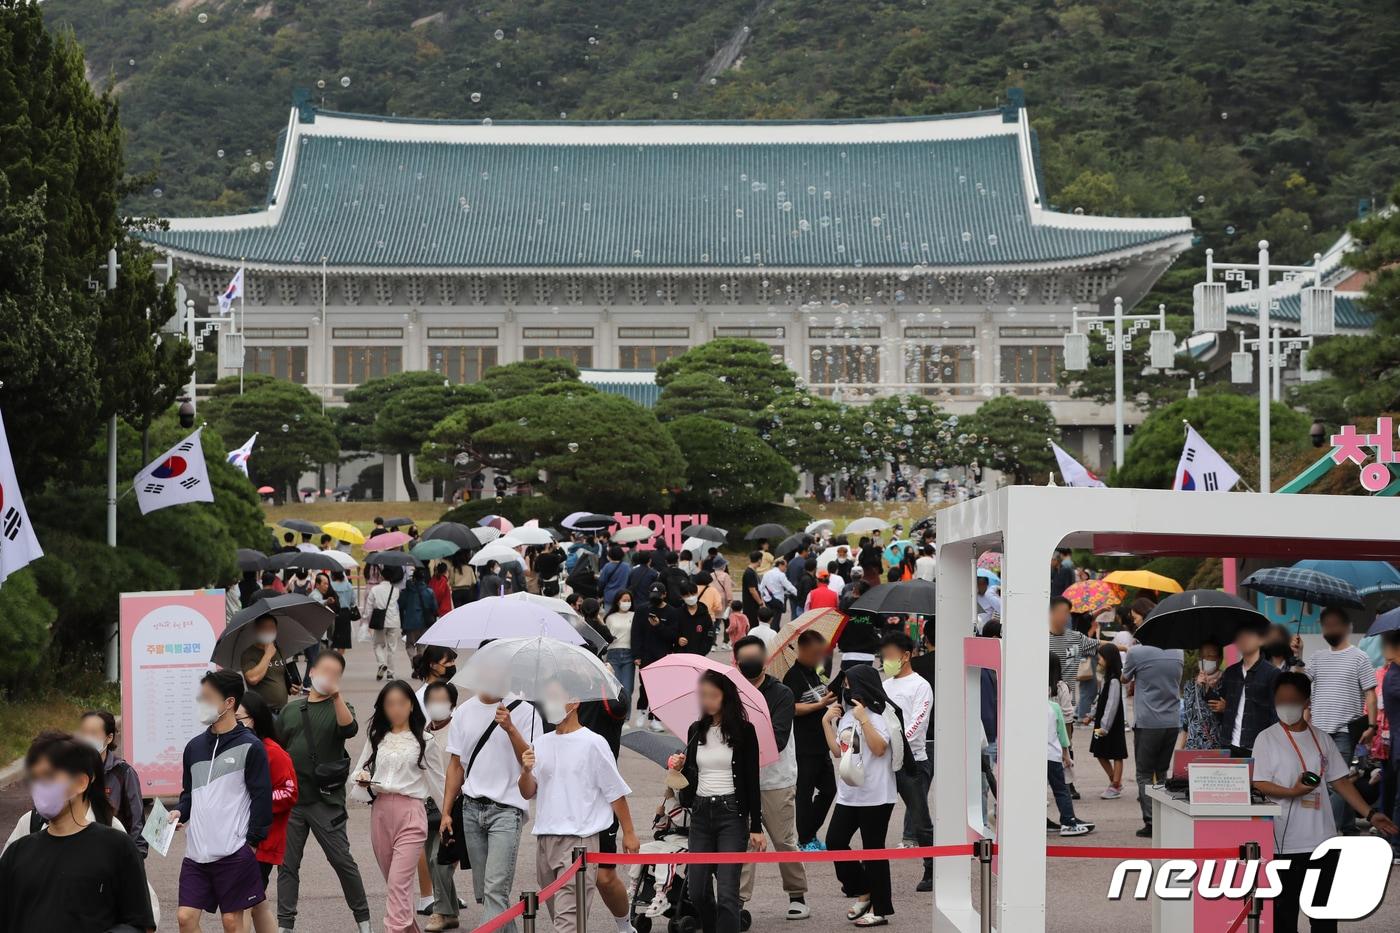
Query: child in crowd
x=1058, y=760
x=738, y=623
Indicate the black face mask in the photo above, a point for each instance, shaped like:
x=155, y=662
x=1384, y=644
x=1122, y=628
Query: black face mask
x=449, y=672
x=1275, y=650
x=1334, y=639
x=751, y=667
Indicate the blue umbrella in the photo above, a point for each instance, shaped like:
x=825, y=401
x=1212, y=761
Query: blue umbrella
x=894, y=551
x=1305, y=585
x=1385, y=622
x=1368, y=576
x=991, y=578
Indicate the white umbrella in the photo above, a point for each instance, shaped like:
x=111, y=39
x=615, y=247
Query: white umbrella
x=531, y=535
x=548, y=603
x=698, y=547
x=486, y=533
x=633, y=534
x=527, y=666
x=868, y=523
x=494, y=551
x=509, y=540
x=821, y=524
x=340, y=557
x=497, y=617
x=829, y=555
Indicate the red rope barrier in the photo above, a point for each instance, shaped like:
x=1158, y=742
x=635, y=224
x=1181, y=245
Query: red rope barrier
x=1142, y=852
x=760, y=858
x=1240, y=919
x=551, y=889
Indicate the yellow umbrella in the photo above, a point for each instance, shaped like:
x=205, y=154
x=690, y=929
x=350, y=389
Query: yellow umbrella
x=344, y=531
x=1144, y=580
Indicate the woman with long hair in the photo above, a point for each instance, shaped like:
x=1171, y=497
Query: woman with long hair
x=859, y=737
x=720, y=763
x=119, y=780
x=254, y=713
x=399, y=768
x=1110, y=744
x=73, y=871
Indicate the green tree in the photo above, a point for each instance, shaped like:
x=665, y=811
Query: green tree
x=910, y=432
x=1144, y=386
x=294, y=436
x=407, y=416
x=25, y=634
x=746, y=366
x=1229, y=423
x=587, y=449
x=728, y=467
x=355, y=422
x=527, y=376
x=1019, y=429
x=697, y=393
x=813, y=433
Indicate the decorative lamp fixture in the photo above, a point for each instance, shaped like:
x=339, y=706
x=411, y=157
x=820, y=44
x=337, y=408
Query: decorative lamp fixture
x=1162, y=347
x=1208, y=306
x=1241, y=366
x=1076, y=351
x=1319, y=312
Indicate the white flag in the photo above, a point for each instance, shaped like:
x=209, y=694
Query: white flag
x=233, y=292
x=239, y=457
x=175, y=477
x=1072, y=471
x=1202, y=469
x=18, y=546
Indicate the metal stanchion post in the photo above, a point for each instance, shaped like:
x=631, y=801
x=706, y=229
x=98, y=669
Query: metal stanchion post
x=532, y=907
x=581, y=888
x=982, y=851
x=1251, y=852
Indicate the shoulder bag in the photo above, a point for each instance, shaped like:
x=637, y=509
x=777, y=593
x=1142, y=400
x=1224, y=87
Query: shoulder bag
x=328, y=775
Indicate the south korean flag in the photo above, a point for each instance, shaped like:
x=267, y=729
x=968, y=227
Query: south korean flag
x=18, y=546
x=1201, y=469
x=175, y=477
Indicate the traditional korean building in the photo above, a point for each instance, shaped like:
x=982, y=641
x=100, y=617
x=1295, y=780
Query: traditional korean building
x=875, y=256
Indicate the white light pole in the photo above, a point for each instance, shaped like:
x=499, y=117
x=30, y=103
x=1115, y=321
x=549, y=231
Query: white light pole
x=1317, y=318
x=1163, y=353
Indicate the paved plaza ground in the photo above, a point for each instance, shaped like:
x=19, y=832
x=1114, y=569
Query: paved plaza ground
x=1075, y=890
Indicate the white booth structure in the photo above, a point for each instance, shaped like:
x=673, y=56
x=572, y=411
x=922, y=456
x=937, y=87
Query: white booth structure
x=1026, y=523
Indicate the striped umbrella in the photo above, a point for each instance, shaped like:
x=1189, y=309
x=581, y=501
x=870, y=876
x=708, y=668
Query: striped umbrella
x=1308, y=586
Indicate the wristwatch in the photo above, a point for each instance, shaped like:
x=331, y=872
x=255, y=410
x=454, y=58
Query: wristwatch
x=1370, y=814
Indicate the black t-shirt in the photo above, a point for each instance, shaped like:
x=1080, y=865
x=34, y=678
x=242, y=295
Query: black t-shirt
x=750, y=584
x=84, y=883
x=547, y=564
x=607, y=717
x=806, y=730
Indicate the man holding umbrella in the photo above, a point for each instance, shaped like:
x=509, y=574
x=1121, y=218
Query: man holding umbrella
x=265, y=669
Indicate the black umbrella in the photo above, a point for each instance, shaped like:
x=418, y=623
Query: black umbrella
x=656, y=747
x=791, y=543
x=453, y=533
x=1187, y=620
x=297, y=524
x=921, y=524
x=1385, y=622
x=393, y=559
x=705, y=533
x=908, y=596
x=593, y=521
x=1308, y=586
x=249, y=559
x=306, y=560
x=301, y=621
x=770, y=530
x=396, y=522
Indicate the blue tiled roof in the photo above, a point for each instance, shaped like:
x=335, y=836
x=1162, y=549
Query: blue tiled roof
x=635, y=385
x=454, y=197
x=1350, y=315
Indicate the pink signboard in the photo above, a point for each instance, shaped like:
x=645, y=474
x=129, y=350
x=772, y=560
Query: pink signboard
x=166, y=642
x=667, y=527
x=1354, y=447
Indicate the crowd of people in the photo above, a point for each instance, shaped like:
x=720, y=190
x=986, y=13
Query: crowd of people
x=451, y=777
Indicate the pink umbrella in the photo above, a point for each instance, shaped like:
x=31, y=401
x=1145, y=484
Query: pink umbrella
x=673, y=696
x=498, y=522
x=387, y=541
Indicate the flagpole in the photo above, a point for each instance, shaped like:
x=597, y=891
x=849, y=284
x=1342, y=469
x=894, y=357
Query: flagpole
x=243, y=287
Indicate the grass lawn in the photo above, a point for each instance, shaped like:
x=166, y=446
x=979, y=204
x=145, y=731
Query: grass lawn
x=21, y=720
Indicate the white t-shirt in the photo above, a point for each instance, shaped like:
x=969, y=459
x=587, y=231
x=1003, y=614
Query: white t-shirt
x=496, y=773
x=578, y=782
x=835, y=583
x=715, y=761
x=385, y=595
x=1305, y=821
x=926, y=568
x=879, y=787
x=915, y=700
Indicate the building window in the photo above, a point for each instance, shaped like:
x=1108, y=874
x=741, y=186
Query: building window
x=275, y=333
x=938, y=333
x=1024, y=365
x=581, y=357
x=367, y=333
x=463, y=333
x=645, y=357
x=1056, y=332
x=557, y=333
x=843, y=333
x=752, y=333
x=461, y=364
x=845, y=363
x=645, y=333
x=282, y=362
x=949, y=366
x=354, y=365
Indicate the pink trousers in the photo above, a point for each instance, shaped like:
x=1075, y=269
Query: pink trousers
x=398, y=829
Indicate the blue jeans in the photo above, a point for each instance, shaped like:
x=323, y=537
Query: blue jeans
x=491, y=832
x=1342, y=814
x=621, y=660
x=1055, y=771
x=716, y=825
x=1088, y=693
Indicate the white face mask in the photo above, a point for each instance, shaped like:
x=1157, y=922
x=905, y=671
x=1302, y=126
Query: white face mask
x=267, y=638
x=439, y=711
x=1289, y=713
x=1209, y=667
x=555, y=711
x=624, y=607
x=324, y=685
x=691, y=600
x=99, y=744
x=208, y=713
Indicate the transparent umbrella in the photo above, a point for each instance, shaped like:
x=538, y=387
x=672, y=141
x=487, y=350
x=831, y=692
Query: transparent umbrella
x=527, y=666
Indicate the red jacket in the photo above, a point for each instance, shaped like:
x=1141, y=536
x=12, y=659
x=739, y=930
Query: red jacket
x=823, y=597
x=442, y=589
x=284, y=795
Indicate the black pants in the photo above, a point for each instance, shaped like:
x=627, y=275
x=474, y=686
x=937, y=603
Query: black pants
x=859, y=879
x=1286, y=904
x=913, y=790
x=1152, y=759
x=716, y=825
x=816, y=789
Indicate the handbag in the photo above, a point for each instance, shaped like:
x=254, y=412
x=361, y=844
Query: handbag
x=329, y=776
x=453, y=850
x=1085, y=671
x=376, y=619
x=851, y=769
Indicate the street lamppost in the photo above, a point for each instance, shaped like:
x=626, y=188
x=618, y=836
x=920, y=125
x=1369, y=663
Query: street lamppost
x=1318, y=318
x=1280, y=349
x=1162, y=349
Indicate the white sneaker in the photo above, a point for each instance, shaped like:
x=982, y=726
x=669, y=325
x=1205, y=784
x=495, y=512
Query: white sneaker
x=798, y=910
x=656, y=726
x=364, y=927
x=641, y=720
x=1110, y=793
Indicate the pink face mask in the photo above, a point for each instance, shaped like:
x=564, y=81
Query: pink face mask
x=49, y=797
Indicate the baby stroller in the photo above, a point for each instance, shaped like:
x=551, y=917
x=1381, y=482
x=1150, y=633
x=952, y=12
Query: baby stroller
x=658, y=891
